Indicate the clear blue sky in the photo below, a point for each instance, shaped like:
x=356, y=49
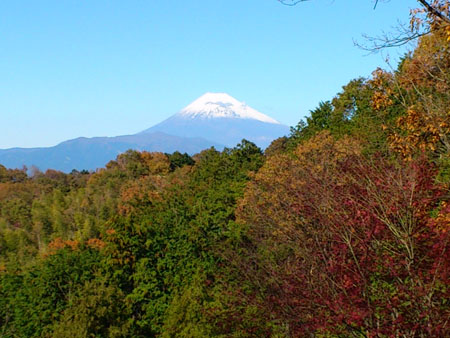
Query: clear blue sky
x=72, y=68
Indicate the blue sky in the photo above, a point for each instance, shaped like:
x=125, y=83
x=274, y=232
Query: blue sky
x=114, y=67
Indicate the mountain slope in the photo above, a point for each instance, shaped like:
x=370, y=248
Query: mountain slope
x=214, y=119
x=92, y=153
x=222, y=119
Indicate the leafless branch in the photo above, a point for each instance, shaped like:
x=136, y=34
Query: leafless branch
x=404, y=34
x=291, y=2
x=401, y=36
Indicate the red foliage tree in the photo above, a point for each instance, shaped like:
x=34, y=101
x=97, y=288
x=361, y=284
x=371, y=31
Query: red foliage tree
x=342, y=244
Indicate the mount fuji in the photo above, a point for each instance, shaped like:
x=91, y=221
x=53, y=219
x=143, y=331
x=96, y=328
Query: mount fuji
x=213, y=120
x=220, y=118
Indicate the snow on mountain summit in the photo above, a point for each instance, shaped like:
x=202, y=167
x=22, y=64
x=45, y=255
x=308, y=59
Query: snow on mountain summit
x=212, y=105
x=222, y=119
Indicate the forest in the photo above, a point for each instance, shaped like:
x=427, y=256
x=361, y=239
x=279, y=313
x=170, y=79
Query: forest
x=340, y=229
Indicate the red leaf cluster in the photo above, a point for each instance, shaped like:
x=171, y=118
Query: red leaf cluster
x=344, y=244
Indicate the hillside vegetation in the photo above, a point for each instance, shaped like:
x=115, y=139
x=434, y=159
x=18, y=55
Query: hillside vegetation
x=339, y=230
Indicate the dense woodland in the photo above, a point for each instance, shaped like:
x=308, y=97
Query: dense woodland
x=340, y=229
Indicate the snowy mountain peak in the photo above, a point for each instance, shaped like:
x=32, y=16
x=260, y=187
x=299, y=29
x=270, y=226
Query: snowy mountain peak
x=211, y=105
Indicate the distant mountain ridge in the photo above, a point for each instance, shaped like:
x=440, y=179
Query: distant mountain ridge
x=92, y=153
x=213, y=120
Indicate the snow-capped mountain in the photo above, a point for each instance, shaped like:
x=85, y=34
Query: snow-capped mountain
x=214, y=105
x=220, y=118
x=213, y=120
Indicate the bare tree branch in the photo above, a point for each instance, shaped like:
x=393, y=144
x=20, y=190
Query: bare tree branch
x=291, y=2
x=437, y=11
x=400, y=37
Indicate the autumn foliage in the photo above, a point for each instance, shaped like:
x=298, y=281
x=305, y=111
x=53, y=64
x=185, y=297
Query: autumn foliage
x=425, y=83
x=340, y=229
x=350, y=242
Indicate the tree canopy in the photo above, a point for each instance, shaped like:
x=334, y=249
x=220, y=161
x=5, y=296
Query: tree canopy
x=340, y=229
